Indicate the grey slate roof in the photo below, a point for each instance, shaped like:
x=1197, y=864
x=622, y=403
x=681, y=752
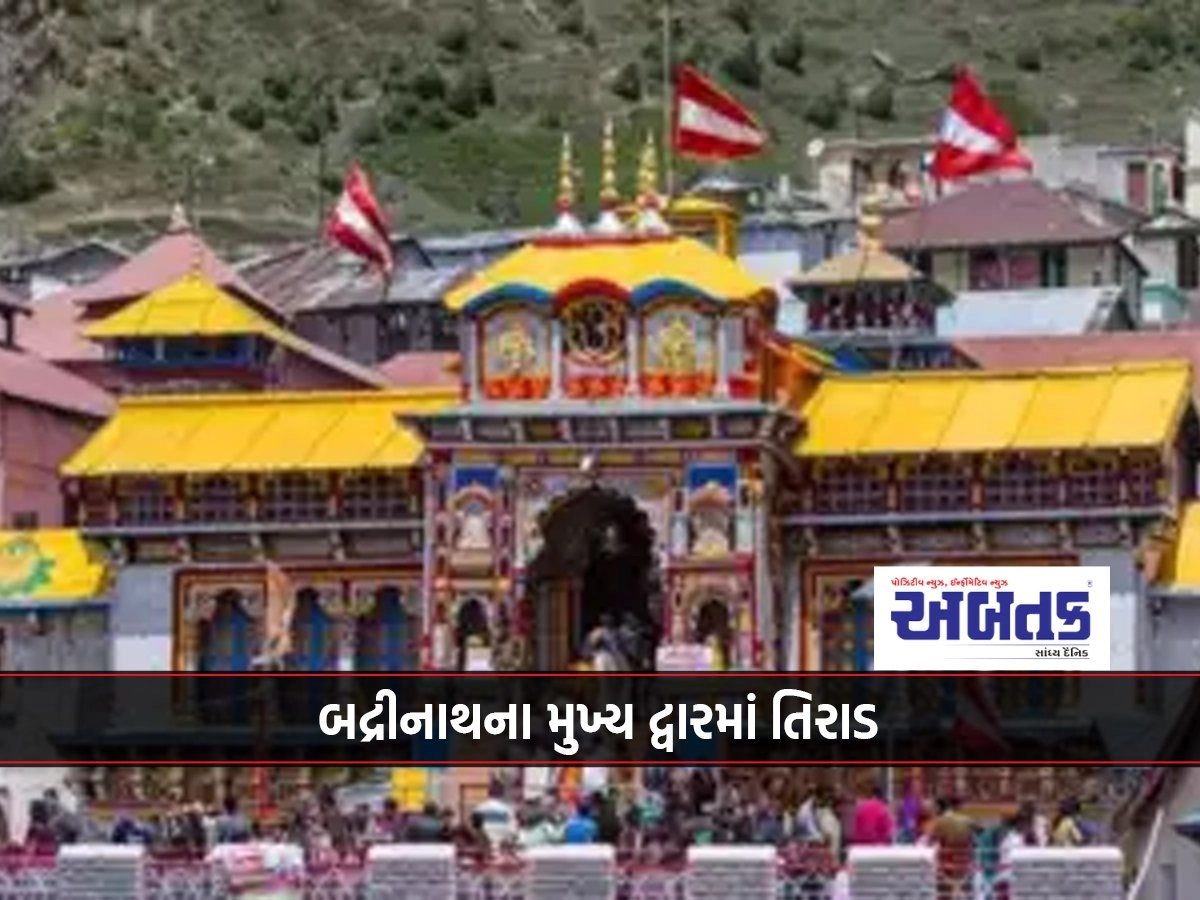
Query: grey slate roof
x=1040, y=311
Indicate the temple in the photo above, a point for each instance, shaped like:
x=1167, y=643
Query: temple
x=630, y=436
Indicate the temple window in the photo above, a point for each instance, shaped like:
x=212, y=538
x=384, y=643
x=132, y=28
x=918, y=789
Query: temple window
x=714, y=628
x=678, y=352
x=378, y=496
x=295, y=497
x=226, y=638
x=216, y=498
x=844, y=487
x=145, y=501
x=935, y=484
x=136, y=350
x=470, y=630
x=313, y=645
x=1094, y=481
x=1146, y=478
x=1018, y=481
x=387, y=638
x=93, y=502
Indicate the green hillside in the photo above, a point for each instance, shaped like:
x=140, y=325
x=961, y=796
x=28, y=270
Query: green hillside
x=116, y=107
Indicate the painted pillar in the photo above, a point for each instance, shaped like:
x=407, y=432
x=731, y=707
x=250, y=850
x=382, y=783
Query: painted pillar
x=556, y=358
x=762, y=577
x=724, y=325
x=430, y=508
x=468, y=331
x=633, y=355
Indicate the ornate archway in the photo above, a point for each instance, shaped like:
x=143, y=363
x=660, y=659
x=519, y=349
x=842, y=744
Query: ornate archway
x=597, y=560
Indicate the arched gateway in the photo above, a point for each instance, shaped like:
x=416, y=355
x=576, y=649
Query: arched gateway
x=597, y=565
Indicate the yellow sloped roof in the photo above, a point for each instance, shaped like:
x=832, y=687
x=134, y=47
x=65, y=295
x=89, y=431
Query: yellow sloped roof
x=193, y=305
x=209, y=434
x=1136, y=405
x=866, y=264
x=54, y=564
x=642, y=269
x=1181, y=562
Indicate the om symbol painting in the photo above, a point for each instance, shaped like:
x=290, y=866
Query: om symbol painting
x=594, y=358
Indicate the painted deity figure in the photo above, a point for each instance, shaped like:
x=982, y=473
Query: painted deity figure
x=516, y=350
x=474, y=527
x=677, y=347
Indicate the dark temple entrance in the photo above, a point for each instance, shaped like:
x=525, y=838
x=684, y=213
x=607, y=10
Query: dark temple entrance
x=597, y=564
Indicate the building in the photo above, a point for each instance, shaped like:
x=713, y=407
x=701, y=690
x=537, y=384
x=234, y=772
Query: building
x=1013, y=235
x=51, y=271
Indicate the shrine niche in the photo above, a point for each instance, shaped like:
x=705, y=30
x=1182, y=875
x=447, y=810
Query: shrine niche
x=710, y=521
x=515, y=355
x=594, y=361
x=472, y=513
x=679, y=352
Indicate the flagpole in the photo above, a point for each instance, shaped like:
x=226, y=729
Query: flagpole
x=668, y=138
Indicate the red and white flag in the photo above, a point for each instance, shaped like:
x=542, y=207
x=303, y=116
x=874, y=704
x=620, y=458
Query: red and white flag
x=358, y=223
x=974, y=136
x=976, y=719
x=709, y=124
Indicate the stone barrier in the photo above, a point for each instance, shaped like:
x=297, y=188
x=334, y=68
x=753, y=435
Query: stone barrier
x=90, y=871
x=723, y=872
x=1061, y=873
x=893, y=873
x=580, y=872
x=411, y=872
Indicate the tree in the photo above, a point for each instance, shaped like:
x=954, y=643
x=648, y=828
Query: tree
x=744, y=66
x=463, y=99
x=879, y=102
x=428, y=84
x=824, y=111
x=789, y=52
x=22, y=178
x=628, y=83
x=249, y=114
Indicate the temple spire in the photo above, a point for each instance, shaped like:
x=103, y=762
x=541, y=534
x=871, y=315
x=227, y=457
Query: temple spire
x=179, y=220
x=870, y=220
x=610, y=198
x=650, y=220
x=567, y=223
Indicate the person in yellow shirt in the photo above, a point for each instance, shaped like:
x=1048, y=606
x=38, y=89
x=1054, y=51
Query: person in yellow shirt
x=1066, y=831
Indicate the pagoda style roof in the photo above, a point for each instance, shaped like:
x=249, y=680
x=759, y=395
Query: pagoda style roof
x=634, y=268
x=208, y=434
x=1122, y=406
x=168, y=259
x=194, y=306
x=865, y=264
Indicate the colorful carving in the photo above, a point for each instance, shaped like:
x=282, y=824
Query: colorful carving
x=594, y=341
x=680, y=353
x=473, y=523
x=24, y=569
x=710, y=520
x=516, y=356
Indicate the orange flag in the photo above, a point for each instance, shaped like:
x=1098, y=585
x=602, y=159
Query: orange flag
x=281, y=604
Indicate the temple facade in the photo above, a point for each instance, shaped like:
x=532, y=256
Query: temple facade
x=630, y=438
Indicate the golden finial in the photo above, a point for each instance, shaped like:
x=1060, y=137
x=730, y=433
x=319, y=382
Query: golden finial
x=650, y=220
x=566, y=177
x=870, y=219
x=179, y=220
x=567, y=224
x=610, y=197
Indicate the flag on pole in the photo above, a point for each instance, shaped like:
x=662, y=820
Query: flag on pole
x=281, y=605
x=974, y=136
x=976, y=719
x=710, y=124
x=358, y=224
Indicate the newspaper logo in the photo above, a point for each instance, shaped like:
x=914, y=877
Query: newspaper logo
x=963, y=618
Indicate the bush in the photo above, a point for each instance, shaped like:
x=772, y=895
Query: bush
x=455, y=38
x=1029, y=59
x=249, y=114
x=789, y=52
x=509, y=40
x=22, y=178
x=698, y=53
x=744, y=66
x=438, y=119
x=368, y=133
x=741, y=14
x=628, y=84
x=824, y=111
x=400, y=114
x=573, y=22
x=1025, y=116
x=278, y=87
x=879, y=102
x=462, y=99
x=428, y=84
x=205, y=101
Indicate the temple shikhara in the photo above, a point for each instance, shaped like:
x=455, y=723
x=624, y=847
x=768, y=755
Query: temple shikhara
x=630, y=437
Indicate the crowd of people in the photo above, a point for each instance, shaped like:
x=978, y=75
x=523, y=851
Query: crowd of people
x=671, y=809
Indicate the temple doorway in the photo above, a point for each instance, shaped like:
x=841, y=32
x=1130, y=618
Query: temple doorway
x=597, y=566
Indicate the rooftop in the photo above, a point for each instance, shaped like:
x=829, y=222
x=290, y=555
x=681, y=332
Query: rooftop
x=263, y=432
x=1136, y=405
x=635, y=268
x=32, y=379
x=1005, y=213
x=1035, y=312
